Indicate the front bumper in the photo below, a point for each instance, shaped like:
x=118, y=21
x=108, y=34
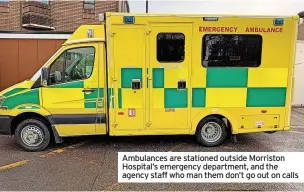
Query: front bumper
x=5, y=124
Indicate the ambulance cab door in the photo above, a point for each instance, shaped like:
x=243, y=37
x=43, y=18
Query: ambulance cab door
x=169, y=64
x=72, y=90
x=128, y=61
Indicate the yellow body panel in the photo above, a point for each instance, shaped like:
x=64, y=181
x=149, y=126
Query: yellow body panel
x=226, y=97
x=123, y=119
x=174, y=120
x=132, y=99
x=101, y=129
x=196, y=77
x=79, y=129
x=290, y=85
x=268, y=77
x=158, y=98
x=259, y=121
x=82, y=33
x=175, y=75
x=72, y=98
x=39, y=110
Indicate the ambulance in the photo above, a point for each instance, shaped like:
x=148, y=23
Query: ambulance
x=210, y=76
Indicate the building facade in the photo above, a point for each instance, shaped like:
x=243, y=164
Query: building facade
x=54, y=15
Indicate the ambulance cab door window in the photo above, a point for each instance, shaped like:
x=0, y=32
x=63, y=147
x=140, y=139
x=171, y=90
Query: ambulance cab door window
x=73, y=65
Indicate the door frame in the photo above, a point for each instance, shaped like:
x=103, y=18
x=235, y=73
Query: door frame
x=68, y=120
x=116, y=127
x=188, y=55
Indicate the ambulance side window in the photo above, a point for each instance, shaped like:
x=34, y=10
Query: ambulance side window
x=72, y=65
x=231, y=50
x=170, y=47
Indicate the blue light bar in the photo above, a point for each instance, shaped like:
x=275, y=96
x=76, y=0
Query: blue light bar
x=278, y=22
x=129, y=19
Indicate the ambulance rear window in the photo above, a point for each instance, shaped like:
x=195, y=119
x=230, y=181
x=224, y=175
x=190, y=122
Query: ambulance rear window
x=231, y=50
x=170, y=47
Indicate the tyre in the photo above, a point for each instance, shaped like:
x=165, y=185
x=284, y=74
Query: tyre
x=32, y=135
x=211, y=131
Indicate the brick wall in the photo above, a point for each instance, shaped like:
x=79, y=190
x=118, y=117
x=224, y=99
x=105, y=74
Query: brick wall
x=66, y=16
x=10, y=16
x=75, y=15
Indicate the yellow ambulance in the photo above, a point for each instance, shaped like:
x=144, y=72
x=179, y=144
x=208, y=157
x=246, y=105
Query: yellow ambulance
x=159, y=74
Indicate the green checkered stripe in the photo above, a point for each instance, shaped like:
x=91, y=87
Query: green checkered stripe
x=215, y=78
x=127, y=75
x=238, y=78
x=173, y=98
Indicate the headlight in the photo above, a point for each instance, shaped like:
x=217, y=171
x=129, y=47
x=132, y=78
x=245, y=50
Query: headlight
x=2, y=100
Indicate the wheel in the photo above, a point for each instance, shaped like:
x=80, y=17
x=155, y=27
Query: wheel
x=32, y=135
x=211, y=131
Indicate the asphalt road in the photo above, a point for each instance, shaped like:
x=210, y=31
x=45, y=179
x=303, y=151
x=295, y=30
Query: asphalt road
x=90, y=163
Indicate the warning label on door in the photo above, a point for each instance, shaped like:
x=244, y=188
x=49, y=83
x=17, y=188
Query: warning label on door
x=132, y=112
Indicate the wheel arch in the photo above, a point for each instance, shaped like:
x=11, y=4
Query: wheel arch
x=231, y=122
x=20, y=115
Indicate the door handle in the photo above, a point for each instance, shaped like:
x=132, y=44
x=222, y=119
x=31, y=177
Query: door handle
x=181, y=84
x=88, y=90
x=136, y=84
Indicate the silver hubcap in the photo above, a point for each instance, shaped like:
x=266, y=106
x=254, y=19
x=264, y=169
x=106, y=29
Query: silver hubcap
x=32, y=135
x=211, y=132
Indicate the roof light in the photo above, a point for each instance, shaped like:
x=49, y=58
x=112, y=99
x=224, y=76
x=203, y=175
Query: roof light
x=90, y=33
x=129, y=19
x=278, y=22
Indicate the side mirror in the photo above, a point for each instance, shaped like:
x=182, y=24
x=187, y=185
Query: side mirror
x=44, y=76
